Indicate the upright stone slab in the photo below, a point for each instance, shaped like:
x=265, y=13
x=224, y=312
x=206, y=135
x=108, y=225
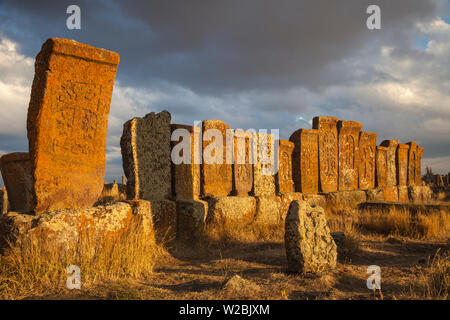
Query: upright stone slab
x=263, y=179
x=367, y=152
x=348, y=154
x=243, y=163
x=391, y=155
x=412, y=161
x=381, y=166
x=67, y=123
x=284, y=180
x=305, y=160
x=216, y=174
x=186, y=176
x=402, y=164
x=328, y=152
x=308, y=242
x=4, y=203
x=419, y=166
x=146, y=157
x=17, y=176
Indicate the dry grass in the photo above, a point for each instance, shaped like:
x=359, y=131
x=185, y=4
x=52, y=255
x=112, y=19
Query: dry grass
x=38, y=268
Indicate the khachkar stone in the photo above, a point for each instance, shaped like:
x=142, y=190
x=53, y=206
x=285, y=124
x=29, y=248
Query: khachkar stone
x=419, y=166
x=186, y=176
x=305, y=160
x=412, y=161
x=348, y=154
x=367, y=152
x=16, y=173
x=391, y=154
x=307, y=239
x=402, y=164
x=216, y=169
x=146, y=157
x=67, y=123
x=328, y=152
x=284, y=180
x=381, y=166
x=264, y=167
x=243, y=162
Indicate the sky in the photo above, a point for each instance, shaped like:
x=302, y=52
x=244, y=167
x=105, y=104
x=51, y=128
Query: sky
x=260, y=64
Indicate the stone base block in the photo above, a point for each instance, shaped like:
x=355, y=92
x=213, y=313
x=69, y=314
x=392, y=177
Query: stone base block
x=315, y=199
x=376, y=194
x=403, y=194
x=191, y=217
x=345, y=199
x=231, y=210
x=268, y=210
x=420, y=194
x=286, y=199
x=390, y=194
x=64, y=228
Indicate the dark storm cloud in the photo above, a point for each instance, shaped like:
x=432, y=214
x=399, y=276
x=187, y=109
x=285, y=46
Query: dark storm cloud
x=223, y=46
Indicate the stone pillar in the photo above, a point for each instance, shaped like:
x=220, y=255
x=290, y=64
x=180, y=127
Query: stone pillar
x=17, y=176
x=391, y=173
x=381, y=166
x=284, y=179
x=367, y=152
x=328, y=152
x=263, y=181
x=412, y=162
x=402, y=164
x=419, y=165
x=348, y=132
x=186, y=176
x=4, y=200
x=305, y=160
x=146, y=157
x=216, y=169
x=67, y=123
x=124, y=180
x=244, y=156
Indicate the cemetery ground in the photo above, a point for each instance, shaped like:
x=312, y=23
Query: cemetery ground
x=233, y=263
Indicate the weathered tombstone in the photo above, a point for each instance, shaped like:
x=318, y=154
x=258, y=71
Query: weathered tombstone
x=284, y=179
x=4, y=201
x=17, y=176
x=146, y=157
x=328, y=152
x=305, y=160
x=67, y=123
x=391, y=153
x=419, y=165
x=412, y=161
x=402, y=164
x=367, y=151
x=216, y=170
x=307, y=239
x=243, y=162
x=186, y=176
x=348, y=137
x=381, y=166
x=124, y=180
x=263, y=181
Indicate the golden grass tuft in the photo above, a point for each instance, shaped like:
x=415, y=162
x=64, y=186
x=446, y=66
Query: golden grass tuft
x=35, y=268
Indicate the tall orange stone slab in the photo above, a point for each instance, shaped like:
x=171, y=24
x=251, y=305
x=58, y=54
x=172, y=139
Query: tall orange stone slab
x=284, y=181
x=348, y=137
x=186, y=176
x=367, y=153
x=419, y=165
x=17, y=176
x=412, y=161
x=328, y=152
x=381, y=166
x=146, y=157
x=216, y=172
x=67, y=123
x=263, y=179
x=402, y=164
x=243, y=162
x=391, y=155
x=305, y=160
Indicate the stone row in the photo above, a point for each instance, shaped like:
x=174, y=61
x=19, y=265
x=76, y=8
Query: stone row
x=334, y=155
